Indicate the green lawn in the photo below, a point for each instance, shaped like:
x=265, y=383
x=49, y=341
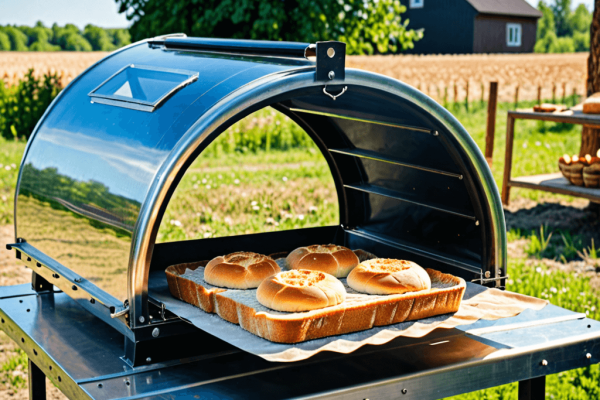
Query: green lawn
x=249, y=181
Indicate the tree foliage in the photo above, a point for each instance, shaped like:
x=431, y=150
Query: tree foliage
x=68, y=37
x=365, y=26
x=561, y=29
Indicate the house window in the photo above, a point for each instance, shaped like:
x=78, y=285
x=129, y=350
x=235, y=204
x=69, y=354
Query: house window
x=513, y=35
x=416, y=3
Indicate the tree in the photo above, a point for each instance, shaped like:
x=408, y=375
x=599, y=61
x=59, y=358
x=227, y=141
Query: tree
x=363, y=25
x=98, y=38
x=590, y=138
x=4, y=41
x=18, y=40
x=546, y=30
x=562, y=10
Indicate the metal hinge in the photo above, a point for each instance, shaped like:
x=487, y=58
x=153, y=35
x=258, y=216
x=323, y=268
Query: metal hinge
x=331, y=62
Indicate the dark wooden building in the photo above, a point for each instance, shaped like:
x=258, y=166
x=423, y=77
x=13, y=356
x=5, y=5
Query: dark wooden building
x=473, y=26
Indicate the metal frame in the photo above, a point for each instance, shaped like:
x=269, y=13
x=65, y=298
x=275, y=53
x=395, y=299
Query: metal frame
x=446, y=362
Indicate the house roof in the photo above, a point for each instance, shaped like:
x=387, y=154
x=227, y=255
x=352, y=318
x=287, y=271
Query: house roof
x=517, y=8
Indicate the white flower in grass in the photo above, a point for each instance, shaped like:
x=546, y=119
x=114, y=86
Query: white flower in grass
x=176, y=222
x=228, y=220
x=524, y=145
x=284, y=179
x=1, y=165
x=7, y=167
x=254, y=203
x=538, y=270
x=255, y=208
x=195, y=186
x=13, y=165
x=207, y=234
x=301, y=217
x=547, y=145
x=203, y=181
x=208, y=186
x=237, y=181
x=553, y=290
x=220, y=176
x=312, y=209
x=538, y=143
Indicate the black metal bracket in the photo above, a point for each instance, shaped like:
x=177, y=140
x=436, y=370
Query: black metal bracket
x=331, y=62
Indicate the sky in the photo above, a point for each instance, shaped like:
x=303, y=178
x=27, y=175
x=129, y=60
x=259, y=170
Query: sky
x=98, y=12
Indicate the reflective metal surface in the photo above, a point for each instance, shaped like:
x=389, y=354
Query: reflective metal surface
x=88, y=167
x=97, y=178
x=67, y=342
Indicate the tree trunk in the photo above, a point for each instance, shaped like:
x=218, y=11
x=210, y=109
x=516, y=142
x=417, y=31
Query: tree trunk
x=590, y=138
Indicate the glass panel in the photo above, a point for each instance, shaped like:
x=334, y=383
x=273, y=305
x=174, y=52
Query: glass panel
x=141, y=84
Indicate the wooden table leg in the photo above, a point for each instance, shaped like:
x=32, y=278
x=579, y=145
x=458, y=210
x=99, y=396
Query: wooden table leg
x=533, y=389
x=510, y=136
x=37, y=382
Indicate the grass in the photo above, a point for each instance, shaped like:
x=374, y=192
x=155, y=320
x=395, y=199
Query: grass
x=251, y=181
x=11, y=153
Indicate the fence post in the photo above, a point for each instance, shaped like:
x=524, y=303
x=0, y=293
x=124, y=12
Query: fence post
x=539, y=95
x=516, y=97
x=491, y=123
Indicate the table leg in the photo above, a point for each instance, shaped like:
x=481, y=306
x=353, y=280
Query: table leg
x=533, y=389
x=510, y=136
x=37, y=382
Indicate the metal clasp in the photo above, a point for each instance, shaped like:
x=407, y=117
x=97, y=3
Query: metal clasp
x=336, y=95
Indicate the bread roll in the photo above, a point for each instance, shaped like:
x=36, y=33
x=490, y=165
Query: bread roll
x=241, y=270
x=332, y=259
x=592, y=104
x=388, y=276
x=300, y=290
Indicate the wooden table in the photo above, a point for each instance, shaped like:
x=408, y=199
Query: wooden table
x=554, y=183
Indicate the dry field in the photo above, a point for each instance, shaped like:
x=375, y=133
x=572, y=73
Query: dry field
x=434, y=75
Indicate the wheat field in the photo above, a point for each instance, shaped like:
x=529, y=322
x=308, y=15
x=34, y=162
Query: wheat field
x=443, y=77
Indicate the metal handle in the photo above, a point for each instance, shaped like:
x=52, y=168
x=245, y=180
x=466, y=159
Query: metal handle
x=337, y=95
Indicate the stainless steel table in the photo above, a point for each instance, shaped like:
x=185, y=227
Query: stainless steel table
x=82, y=356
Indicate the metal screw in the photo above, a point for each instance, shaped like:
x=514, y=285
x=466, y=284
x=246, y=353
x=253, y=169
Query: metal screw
x=142, y=319
x=588, y=356
x=155, y=332
x=74, y=287
x=77, y=280
x=330, y=52
x=148, y=359
x=487, y=274
x=404, y=391
x=477, y=223
x=436, y=133
x=544, y=363
x=331, y=75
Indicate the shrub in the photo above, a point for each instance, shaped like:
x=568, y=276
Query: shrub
x=22, y=105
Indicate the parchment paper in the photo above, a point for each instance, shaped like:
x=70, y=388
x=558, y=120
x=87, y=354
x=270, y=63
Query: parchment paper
x=478, y=303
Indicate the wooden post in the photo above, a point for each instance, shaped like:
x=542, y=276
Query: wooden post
x=516, y=96
x=467, y=96
x=564, y=96
x=554, y=93
x=455, y=93
x=491, y=122
x=482, y=93
x=574, y=95
x=510, y=136
x=445, y=96
x=539, y=95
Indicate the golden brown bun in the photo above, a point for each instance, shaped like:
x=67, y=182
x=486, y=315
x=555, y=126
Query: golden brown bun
x=300, y=290
x=592, y=104
x=388, y=276
x=241, y=270
x=332, y=259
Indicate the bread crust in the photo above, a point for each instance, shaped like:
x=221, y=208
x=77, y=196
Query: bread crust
x=241, y=270
x=300, y=290
x=358, y=312
x=381, y=276
x=332, y=259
